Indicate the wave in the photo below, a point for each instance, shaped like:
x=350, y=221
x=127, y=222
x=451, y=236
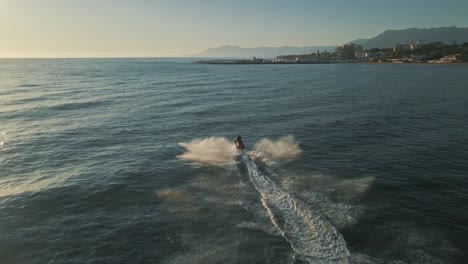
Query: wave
x=29, y=85
x=173, y=195
x=76, y=105
x=9, y=187
x=285, y=148
x=310, y=234
x=213, y=151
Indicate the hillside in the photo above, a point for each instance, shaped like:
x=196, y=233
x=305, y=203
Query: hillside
x=447, y=35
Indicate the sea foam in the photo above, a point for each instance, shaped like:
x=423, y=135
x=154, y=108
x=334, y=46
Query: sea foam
x=213, y=151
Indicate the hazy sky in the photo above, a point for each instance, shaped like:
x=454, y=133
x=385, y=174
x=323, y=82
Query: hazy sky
x=136, y=28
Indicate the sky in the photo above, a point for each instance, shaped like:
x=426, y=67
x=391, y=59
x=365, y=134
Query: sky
x=168, y=28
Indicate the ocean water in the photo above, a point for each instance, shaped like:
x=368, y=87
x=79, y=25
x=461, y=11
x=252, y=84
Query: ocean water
x=130, y=161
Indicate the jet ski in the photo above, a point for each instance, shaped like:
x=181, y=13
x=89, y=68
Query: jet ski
x=238, y=143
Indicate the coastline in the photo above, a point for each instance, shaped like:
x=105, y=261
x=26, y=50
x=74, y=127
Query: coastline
x=247, y=62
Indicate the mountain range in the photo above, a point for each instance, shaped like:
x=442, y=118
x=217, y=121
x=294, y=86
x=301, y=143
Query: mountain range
x=387, y=39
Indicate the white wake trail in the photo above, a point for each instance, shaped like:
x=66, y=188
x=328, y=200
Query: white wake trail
x=310, y=234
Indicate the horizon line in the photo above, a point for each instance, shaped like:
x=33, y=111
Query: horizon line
x=117, y=57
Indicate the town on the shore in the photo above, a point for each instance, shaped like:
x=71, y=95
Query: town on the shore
x=435, y=52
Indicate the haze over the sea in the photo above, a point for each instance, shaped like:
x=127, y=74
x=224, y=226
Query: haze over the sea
x=53, y=28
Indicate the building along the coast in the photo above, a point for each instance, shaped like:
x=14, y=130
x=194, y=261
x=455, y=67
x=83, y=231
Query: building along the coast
x=347, y=52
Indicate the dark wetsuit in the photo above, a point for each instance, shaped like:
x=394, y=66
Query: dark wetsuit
x=239, y=144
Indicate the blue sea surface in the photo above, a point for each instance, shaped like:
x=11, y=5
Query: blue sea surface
x=91, y=168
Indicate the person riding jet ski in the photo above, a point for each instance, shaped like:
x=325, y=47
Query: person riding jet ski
x=238, y=142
